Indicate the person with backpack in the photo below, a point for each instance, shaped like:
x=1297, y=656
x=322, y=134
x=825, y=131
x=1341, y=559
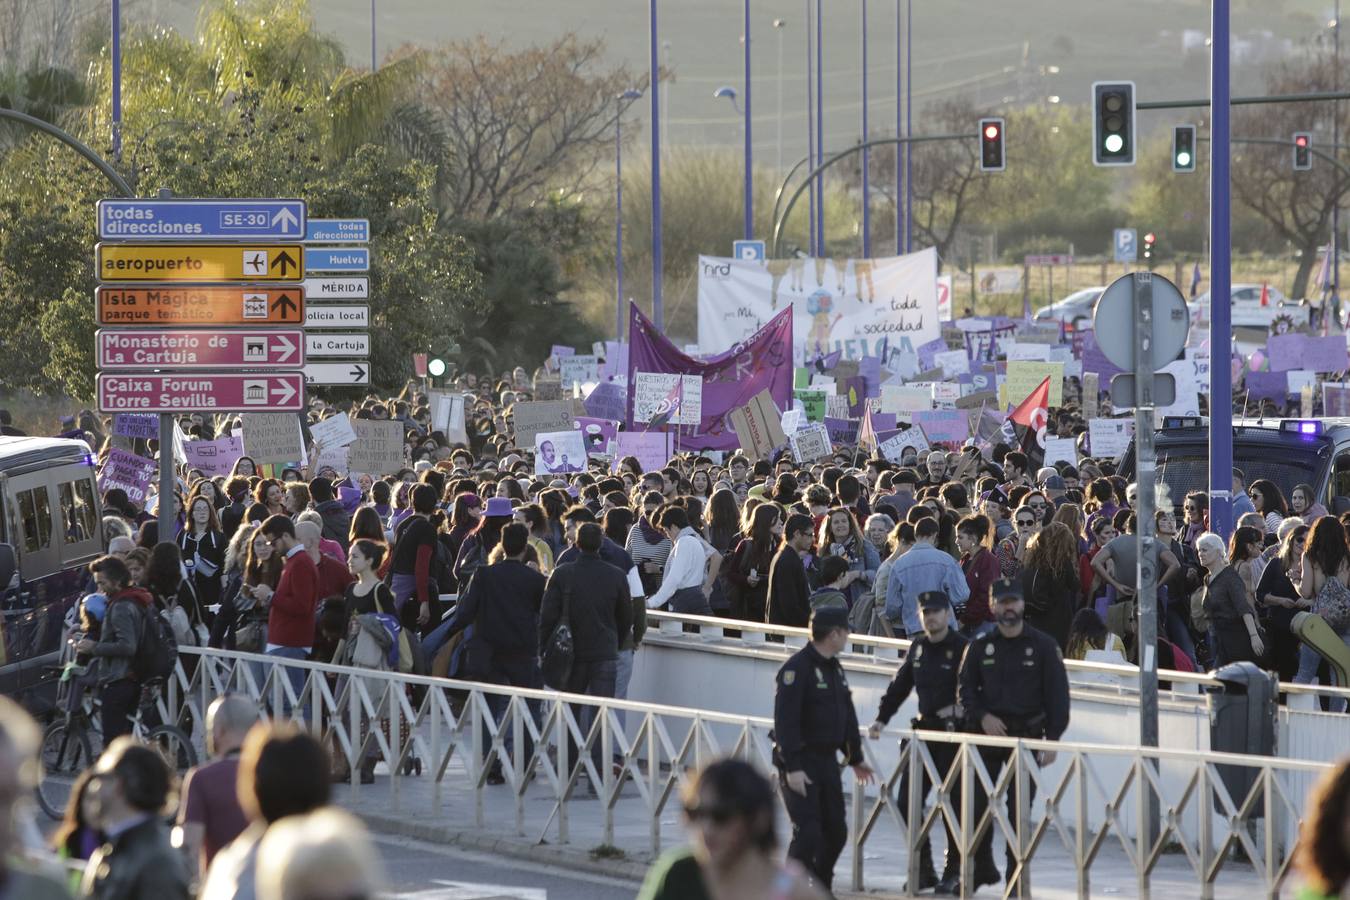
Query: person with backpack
x=124, y=624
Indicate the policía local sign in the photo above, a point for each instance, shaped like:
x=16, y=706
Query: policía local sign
x=145, y=304
x=202, y=220
x=184, y=349
x=204, y=392
x=337, y=316
x=199, y=262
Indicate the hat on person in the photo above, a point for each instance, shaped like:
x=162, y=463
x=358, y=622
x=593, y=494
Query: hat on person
x=829, y=617
x=471, y=500
x=996, y=496
x=1045, y=472
x=934, y=600
x=498, y=506
x=1006, y=589
x=1053, y=483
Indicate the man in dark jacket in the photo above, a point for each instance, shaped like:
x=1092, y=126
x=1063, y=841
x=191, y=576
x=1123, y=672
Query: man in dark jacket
x=128, y=797
x=117, y=645
x=593, y=597
x=789, y=598
x=337, y=524
x=502, y=606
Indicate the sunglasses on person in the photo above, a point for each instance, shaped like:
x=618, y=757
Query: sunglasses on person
x=1025, y=523
x=717, y=815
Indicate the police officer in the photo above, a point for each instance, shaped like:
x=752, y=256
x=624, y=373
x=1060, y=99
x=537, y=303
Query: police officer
x=813, y=720
x=1013, y=684
x=931, y=667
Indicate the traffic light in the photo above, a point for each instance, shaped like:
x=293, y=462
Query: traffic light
x=1183, y=148
x=436, y=367
x=1302, y=151
x=1113, y=123
x=1149, y=239
x=991, y=145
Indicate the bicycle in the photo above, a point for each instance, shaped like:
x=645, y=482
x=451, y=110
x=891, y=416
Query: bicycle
x=68, y=743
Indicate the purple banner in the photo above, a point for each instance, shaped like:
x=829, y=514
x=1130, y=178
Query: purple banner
x=869, y=369
x=129, y=472
x=1268, y=386
x=944, y=426
x=597, y=433
x=607, y=401
x=1306, y=352
x=842, y=431
x=730, y=379
x=928, y=351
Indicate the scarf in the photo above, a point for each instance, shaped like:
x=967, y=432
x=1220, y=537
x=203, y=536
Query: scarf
x=650, y=533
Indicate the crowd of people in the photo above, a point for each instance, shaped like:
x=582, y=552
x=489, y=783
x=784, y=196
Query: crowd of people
x=464, y=562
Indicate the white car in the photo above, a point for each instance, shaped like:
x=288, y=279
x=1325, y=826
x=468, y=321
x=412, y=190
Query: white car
x=1247, y=311
x=1075, y=310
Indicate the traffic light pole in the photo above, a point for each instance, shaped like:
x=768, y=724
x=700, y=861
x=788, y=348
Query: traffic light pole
x=1221, y=276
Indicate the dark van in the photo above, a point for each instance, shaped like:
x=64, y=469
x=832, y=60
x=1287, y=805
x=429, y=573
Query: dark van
x=1315, y=452
x=50, y=531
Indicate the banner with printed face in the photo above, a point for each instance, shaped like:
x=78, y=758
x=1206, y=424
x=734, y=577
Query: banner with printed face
x=846, y=305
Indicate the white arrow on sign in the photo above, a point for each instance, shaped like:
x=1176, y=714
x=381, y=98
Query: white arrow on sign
x=283, y=393
x=355, y=371
x=286, y=349
x=286, y=218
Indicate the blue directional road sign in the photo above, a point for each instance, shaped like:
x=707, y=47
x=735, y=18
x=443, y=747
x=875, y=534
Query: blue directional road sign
x=337, y=259
x=338, y=231
x=1126, y=243
x=748, y=250
x=198, y=220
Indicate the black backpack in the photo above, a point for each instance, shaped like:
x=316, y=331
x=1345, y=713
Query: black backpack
x=156, y=647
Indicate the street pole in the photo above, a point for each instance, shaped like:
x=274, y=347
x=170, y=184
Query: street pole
x=820, y=125
x=866, y=194
x=1220, y=280
x=165, y=515
x=909, y=125
x=810, y=140
x=1336, y=187
x=657, y=316
x=618, y=222
x=899, y=133
x=373, y=66
x=117, y=79
x=749, y=147
x=778, y=25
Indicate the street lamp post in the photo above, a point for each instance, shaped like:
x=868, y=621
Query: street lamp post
x=749, y=151
x=729, y=93
x=909, y=125
x=117, y=79
x=820, y=124
x=657, y=315
x=778, y=25
x=900, y=149
x=866, y=194
x=811, y=148
x=623, y=99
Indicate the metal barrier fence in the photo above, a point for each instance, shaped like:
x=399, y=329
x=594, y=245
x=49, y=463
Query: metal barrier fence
x=1091, y=795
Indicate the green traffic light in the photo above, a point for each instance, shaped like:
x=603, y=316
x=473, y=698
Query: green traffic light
x=436, y=368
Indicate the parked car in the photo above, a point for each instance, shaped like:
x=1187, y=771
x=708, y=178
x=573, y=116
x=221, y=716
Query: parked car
x=1075, y=310
x=1247, y=311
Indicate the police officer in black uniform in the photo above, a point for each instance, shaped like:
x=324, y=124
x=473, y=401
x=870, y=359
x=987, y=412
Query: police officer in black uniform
x=1013, y=684
x=931, y=667
x=813, y=720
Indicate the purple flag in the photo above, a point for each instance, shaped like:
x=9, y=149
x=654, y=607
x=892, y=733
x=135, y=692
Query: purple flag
x=730, y=379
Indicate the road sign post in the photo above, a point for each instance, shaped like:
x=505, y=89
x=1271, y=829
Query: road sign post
x=125, y=219
x=202, y=305
x=156, y=392
x=200, y=263
x=188, y=349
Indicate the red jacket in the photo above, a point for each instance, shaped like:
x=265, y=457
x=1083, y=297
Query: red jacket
x=295, y=603
x=333, y=577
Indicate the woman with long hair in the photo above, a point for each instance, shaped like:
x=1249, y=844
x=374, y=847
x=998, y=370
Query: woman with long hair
x=295, y=499
x=532, y=516
x=723, y=531
x=1244, y=551
x=555, y=502
x=748, y=569
x=245, y=466
x=480, y=543
x=1303, y=503
x=617, y=521
x=466, y=509
x=77, y=837
x=1088, y=632
x=729, y=811
x=1326, y=568
x=1101, y=532
x=1071, y=514
x=1269, y=502
x=232, y=598
x=1277, y=601
x=1099, y=502
x=648, y=544
x=1233, y=631
x=975, y=540
x=202, y=546
x=700, y=485
x=414, y=554
x=173, y=592
x=1050, y=581
x=840, y=536
x=1323, y=853
x=267, y=500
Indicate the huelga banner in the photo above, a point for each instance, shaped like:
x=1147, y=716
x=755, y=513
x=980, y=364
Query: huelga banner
x=846, y=305
x=762, y=361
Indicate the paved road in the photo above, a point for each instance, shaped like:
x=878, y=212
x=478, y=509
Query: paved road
x=417, y=870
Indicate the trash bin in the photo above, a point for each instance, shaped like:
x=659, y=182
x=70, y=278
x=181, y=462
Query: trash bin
x=1242, y=720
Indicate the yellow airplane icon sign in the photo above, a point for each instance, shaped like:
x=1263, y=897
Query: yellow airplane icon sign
x=200, y=262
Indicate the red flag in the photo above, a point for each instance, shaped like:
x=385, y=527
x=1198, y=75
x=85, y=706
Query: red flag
x=1030, y=419
x=1265, y=294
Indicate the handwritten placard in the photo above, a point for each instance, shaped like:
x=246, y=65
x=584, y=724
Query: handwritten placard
x=334, y=431
x=136, y=425
x=904, y=398
x=215, y=457
x=652, y=449
x=378, y=448
x=531, y=418
x=757, y=426
x=272, y=437
x=129, y=472
x=607, y=401
x=810, y=443
x=894, y=446
x=944, y=426
x=653, y=392
x=1109, y=438
x=1024, y=376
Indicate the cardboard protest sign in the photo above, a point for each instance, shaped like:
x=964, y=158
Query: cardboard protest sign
x=578, y=369
x=272, y=437
x=334, y=458
x=1057, y=449
x=559, y=453
x=531, y=418
x=129, y=472
x=447, y=416
x=905, y=399
x=1108, y=438
x=136, y=425
x=1267, y=385
x=811, y=443
x=1091, y=394
x=837, y=406
x=378, y=448
x=894, y=446
x=952, y=363
x=215, y=457
x=976, y=400
x=652, y=392
x=596, y=433
x=652, y=449
x=334, y=431
x=607, y=401
x=944, y=426
x=757, y=426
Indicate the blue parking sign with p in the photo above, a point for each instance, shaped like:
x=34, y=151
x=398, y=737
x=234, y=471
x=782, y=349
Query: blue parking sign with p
x=748, y=250
x=1126, y=245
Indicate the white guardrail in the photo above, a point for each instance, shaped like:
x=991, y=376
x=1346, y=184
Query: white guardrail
x=1081, y=799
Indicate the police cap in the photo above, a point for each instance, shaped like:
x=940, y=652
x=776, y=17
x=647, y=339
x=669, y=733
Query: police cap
x=934, y=600
x=1007, y=589
x=827, y=618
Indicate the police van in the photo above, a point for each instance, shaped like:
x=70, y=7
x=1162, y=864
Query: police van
x=50, y=531
x=1288, y=452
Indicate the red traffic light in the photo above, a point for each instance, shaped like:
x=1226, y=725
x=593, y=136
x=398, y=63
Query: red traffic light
x=1301, y=140
x=1150, y=238
x=991, y=131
